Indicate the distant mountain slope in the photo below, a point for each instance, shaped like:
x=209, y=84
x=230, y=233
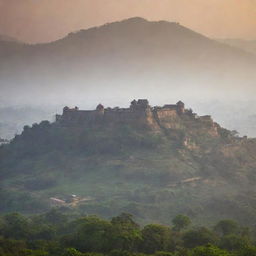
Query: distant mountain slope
x=12, y=119
x=8, y=38
x=152, y=162
x=123, y=59
x=246, y=45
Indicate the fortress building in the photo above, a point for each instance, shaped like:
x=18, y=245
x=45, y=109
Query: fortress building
x=140, y=113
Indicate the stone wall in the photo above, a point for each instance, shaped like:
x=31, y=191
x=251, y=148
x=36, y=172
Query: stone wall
x=139, y=113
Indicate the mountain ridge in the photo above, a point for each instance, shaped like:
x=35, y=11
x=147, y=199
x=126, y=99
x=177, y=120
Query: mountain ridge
x=8, y=39
x=134, y=50
x=246, y=45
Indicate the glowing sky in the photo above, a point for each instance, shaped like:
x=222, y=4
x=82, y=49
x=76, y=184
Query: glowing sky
x=47, y=20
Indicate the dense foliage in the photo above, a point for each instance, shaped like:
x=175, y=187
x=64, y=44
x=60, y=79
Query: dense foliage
x=55, y=233
x=126, y=168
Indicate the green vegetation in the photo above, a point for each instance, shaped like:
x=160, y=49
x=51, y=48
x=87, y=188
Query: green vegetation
x=55, y=233
x=113, y=169
x=180, y=222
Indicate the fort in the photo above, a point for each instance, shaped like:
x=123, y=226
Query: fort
x=140, y=113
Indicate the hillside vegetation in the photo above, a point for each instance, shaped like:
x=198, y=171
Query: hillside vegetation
x=155, y=174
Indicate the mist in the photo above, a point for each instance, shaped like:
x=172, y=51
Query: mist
x=113, y=64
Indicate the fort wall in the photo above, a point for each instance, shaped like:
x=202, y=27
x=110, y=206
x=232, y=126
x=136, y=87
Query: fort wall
x=168, y=118
x=140, y=113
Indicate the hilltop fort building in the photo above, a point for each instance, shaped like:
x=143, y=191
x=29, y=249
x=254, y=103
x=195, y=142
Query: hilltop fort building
x=139, y=113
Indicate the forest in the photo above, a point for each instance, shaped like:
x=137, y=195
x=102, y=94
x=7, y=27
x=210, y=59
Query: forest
x=64, y=234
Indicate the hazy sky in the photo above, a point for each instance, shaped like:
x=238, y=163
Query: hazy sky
x=47, y=20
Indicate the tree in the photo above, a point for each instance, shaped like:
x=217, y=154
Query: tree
x=55, y=217
x=209, y=250
x=125, y=233
x=233, y=242
x=11, y=247
x=180, y=222
x=125, y=219
x=15, y=226
x=226, y=227
x=155, y=238
x=71, y=252
x=120, y=253
x=29, y=252
x=247, y=251
x=160, y=253
x=199, y=237
x=91, y=235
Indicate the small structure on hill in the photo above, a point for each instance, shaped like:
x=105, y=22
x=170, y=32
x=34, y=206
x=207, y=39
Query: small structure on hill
x=69, y=201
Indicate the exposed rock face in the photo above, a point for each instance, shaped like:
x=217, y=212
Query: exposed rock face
x=167, y=117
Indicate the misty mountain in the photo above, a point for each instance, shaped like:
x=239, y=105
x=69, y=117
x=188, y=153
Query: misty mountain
x=13, y=119
x=246, y=45
x=122, y=60
x=162, y=61
x=8, y=38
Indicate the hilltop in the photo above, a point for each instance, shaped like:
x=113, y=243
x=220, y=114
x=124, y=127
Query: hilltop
x=154, y=162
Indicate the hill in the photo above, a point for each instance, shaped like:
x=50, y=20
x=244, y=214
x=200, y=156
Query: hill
x=118, y=60
x=13, y=118
x=246, y=45
x=154, y=162
x=8, y=39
